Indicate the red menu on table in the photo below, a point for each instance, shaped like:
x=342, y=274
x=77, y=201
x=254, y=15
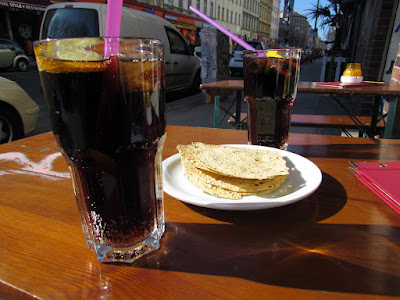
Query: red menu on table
x=382, y=178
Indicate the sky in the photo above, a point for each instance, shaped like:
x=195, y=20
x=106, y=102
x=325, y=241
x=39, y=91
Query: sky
x=302, y=6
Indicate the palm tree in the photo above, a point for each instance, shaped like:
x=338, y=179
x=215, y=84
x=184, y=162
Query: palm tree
x=340, y=15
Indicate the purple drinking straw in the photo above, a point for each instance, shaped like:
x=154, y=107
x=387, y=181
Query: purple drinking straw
x=113, y=27
x=222, y=29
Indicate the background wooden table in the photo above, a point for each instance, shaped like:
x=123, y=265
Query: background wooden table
x=392, y=92
x=342, y=242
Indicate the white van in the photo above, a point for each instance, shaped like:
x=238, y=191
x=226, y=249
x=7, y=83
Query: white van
x=79, y=19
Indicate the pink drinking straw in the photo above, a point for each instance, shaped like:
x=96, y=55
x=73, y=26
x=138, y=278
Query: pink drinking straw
x=222, y=29
x=113, y=27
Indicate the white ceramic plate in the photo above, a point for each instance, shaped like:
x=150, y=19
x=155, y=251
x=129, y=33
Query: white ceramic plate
x=304, y=178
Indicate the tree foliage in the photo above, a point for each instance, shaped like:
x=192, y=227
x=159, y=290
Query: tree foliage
x=338, y=14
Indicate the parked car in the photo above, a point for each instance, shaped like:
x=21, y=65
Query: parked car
x=79, y=19
x=306, y=56
x=236, y=62
x=12, y=55
x=18, y=112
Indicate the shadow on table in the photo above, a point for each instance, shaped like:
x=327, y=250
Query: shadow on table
x=286, y=246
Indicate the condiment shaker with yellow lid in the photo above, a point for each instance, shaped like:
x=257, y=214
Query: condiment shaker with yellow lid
x=352, y=73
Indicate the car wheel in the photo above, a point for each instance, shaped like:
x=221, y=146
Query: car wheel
x=22, y=64
x=11, y=127
x=196, y=84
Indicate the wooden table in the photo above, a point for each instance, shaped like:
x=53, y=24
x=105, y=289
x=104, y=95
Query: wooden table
x=392, y=93
x=215, y=89
x=342, y=242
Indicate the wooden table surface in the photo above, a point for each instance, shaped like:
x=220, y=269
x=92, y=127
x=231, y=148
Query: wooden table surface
x=315, y=88
x=342, y=242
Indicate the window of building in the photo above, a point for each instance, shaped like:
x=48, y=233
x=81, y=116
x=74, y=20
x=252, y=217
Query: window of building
x=218, y=13
x=205, y=6
x=198, y=4
x=212, y=9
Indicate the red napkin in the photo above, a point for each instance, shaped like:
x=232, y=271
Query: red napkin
x=382, y=178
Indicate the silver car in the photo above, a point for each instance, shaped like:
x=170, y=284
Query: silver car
x=18, y=112
x=12, y=55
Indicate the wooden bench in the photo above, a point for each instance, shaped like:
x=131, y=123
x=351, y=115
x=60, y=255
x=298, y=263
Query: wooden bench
x=322, y=121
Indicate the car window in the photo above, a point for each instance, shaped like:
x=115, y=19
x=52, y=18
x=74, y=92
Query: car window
x=239, y=47
x=255, y=45
x=258, y=46
x=71, y=22
x=176, y=43
x=6, y=45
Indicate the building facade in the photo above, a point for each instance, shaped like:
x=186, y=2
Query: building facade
x=288, y=10
x=20, y=21
x=295, y=32
x=265, y=21
x=301, y=31
x=229, y=14
x=370, y=45
x=251, y=15
x=275, y=22
x=177, y=12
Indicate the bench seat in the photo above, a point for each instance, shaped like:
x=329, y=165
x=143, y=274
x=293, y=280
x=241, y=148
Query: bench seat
x=323, y=121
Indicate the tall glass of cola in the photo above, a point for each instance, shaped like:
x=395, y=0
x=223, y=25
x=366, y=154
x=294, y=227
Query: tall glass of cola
x=270, y=87
x=107, y=116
